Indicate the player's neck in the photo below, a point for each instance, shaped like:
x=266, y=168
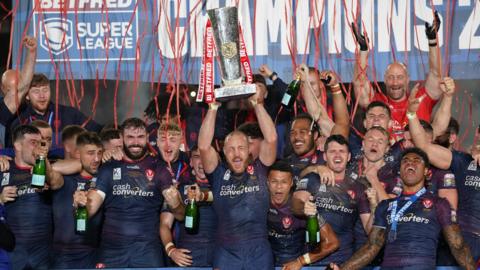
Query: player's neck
x=129, y=160
x=367, y=163
x=86, y=174
x=21, y=164
x=409, y=190
x=308, y=154
x=339, y=176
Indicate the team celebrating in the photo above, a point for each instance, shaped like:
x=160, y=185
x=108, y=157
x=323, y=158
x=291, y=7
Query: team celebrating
x=271, y=184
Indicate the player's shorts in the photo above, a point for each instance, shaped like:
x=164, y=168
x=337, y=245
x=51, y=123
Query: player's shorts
x=34, y=256
x=135, y=254
x=255, y=254
x=67, y=258
x=202, y=254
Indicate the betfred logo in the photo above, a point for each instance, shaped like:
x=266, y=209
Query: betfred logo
x=56, y=35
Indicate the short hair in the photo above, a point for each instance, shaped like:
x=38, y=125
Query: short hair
x=109, y=134
x=338, y=139
x=71, y=131
x=381, y=104
x=40, y=124
x=20, y=132
x=259, y=78
x=251, y=129
x=169, y=127
x=282, y=166
x=453, y=126
x=39, y=79
x=193, y=148
x=426, y=126
x=308, y=117
x=419, y=152
x=88, y=137
x=233, y=133
x=380, y=129
x=160, y=104
x=133, y=122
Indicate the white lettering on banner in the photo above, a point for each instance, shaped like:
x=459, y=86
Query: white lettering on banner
x=423, y=12
x=84, y=4
x=467, y=38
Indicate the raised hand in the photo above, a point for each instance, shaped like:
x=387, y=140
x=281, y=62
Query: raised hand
x=360, y=38
x=30, y=43
x=413, y=101
x=431, y=30
x=447, y=86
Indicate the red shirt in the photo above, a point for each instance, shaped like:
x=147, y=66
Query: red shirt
x=399, y=110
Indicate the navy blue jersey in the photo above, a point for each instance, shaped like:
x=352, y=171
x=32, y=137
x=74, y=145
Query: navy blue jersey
x=467, y=175
x=133, y=199
x=341, y=206
x=392, y=156
x=286, y=233
x=418, y=230
x=64, y=236
x=439, y=179
x=178, y=171
x=241, y=203
x=5, y=114
x=66, y=116
x=4, y=261
x=299, y=163
x=30, y=215
x=207, y=223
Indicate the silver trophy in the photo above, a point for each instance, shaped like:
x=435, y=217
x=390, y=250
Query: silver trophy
x=225, y=31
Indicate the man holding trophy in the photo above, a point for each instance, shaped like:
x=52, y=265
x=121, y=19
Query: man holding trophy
x=239, y=185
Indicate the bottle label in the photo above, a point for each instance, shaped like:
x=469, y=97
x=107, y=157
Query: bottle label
x=188, y=222
x=81, y=225
x=38, y=180
x=306, y=237
x=286, y=99
x=318, y=237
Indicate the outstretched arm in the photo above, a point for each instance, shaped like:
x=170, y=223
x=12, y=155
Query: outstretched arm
x=444, y=112
x=361, y=85
x=432, y=84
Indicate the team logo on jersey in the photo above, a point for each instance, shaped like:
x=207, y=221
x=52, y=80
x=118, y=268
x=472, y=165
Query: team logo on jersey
x=354, y=175
x=149, y=174
x=81, y=186
x=472, y=166
x=352, y=194
x=93, y=182
x=427, y=203
x=250, y=170
x=287, y=222
x=449, y=180
x=117, y=173
x=389, y=206
x=5, y=179
x=302, y=184
x=322, y=188
x=226, y=176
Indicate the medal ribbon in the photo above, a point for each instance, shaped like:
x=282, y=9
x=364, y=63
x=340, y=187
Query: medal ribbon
x=394, y=217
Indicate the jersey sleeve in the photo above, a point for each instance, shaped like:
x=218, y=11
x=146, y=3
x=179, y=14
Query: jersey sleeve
x=309, y=183
x=446, y=180
x=5, y=114
x=362, y=200
x=105, y=178
x=444, y=213
x=381, y=214
x=460, y=161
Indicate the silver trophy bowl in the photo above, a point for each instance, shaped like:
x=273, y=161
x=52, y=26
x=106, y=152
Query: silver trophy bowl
x=225, y=31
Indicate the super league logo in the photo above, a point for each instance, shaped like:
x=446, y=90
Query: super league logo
x=56, y=35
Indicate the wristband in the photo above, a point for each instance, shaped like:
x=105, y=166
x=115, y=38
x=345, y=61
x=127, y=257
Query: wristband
x=272, y=75
x=213, y=106
x=411, y=115
x=170, y=252
x=168, y=245
x=306, y=258
x=432, y=44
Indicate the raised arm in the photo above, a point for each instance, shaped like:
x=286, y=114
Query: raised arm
x=268, y=146
x=458, y=247
x=361, y=85
x=205, y=138
x=444, y=112
x=16, y=92
x=432, y=84
x=340, y=109
x=439, y=156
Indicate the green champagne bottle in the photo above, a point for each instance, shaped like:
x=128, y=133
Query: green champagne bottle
x=312, y=234
x=39, y=172
x=291, y=94
x=81, y=218
x=191, y=215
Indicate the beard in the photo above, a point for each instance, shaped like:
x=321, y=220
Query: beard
x=133, y=156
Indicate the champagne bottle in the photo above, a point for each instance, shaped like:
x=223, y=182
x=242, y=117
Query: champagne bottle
x=291, y=94
x=81, y=218
x=313, y=230
x=39, y=172
x=191, y=214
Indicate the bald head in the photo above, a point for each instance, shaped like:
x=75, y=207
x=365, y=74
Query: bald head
x=9, y=80
x=396, y=81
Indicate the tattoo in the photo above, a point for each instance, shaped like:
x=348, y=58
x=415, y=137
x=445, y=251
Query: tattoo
x=368, y=251
x=458, y=247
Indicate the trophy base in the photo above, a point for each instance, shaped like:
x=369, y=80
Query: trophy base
x=238, y=91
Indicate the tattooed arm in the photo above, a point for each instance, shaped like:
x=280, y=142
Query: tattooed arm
x=368, y=251
x=458, y=247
